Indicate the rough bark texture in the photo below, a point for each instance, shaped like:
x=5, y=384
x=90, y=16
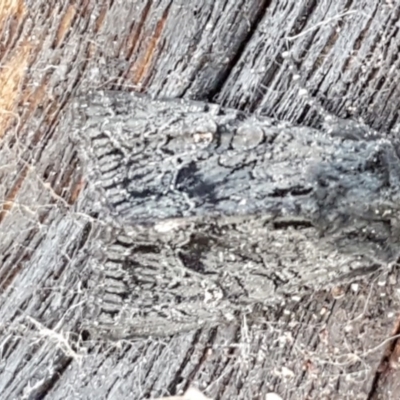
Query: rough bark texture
x=335, y=344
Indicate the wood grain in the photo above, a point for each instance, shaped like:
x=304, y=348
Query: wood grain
x=226, y=51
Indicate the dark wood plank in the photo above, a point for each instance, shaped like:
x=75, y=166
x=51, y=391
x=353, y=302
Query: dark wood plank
x=344, y=54
x=228, y=51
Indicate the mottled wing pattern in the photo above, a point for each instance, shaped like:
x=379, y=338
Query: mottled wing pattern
x=215, y=211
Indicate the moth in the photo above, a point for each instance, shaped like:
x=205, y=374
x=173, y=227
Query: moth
x=214, y=212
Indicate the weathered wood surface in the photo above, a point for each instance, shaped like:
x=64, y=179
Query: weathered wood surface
x=226, y=51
